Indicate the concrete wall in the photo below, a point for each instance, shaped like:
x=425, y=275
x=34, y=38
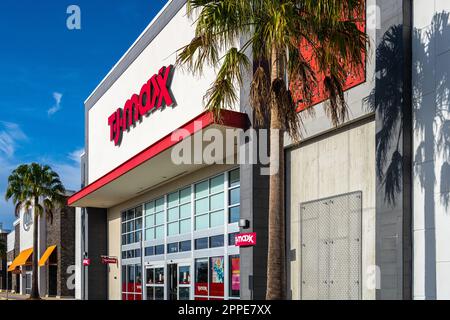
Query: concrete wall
x=334, y=164
x=431, y=101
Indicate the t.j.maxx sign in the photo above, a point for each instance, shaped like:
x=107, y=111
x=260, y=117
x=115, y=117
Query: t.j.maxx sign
x=154, y=95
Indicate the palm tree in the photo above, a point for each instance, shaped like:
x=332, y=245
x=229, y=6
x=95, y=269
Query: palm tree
x=274, y=31
x=39, y=187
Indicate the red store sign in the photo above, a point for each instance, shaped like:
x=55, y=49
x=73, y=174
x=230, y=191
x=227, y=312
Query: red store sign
x=245, y=239
x=109, y=260
x=153, y=95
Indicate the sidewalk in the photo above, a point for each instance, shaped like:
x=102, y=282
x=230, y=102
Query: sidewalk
x=14, y=296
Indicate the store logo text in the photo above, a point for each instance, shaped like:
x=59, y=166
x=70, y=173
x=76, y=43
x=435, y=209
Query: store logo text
x=154, y=95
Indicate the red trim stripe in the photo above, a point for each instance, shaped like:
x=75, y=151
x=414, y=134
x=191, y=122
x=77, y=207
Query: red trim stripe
x=227, y=118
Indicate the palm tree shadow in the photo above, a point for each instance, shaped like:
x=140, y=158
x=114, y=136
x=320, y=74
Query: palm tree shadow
x=431, y=127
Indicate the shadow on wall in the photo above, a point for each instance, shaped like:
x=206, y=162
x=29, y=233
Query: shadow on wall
x=431, y=125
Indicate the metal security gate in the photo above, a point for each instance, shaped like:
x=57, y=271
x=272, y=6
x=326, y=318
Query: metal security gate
x=330, y=238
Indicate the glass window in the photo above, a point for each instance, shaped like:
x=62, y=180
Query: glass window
x=185, y=246
x=201, y=277
x=234, y=196
x=216, y=279
x=150, y=234
x=159, y=293
x=172, y=247
x=201, y=243
x=234, y=178
x=159, y=232
x=130, y=280
x=185, y=195
x=216, y=241
x=159, y=275
x=173, y=229
x=149, y=221
x=150, y=293
x=159, y=204
x=130, y=214
x=216, y=184
x=232, y=238
x=149, y=207
x=137, y=253
x=138, y=279
x=159, y=249
x=216, y=202
x=173, y=199
x=150, y=276
x=184, y=293
x=235, y=276
x=159, y=218
x=234, y=214
x=150, y=251
x=216, y=219
x=138, y=212
x=201, y=189
x=202, y=222
x=185, y=226
x=184, y=276
x=185, y=210
x=201, y=206
x=172, y=214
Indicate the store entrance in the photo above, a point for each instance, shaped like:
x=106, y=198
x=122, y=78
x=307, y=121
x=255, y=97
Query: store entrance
x=172, y=270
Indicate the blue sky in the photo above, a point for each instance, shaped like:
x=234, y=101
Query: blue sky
x=46, y=73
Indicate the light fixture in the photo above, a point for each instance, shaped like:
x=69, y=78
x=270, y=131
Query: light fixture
x=244, y=223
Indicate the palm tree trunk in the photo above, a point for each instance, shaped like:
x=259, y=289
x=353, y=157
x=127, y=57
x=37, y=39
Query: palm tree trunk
x=276, y=280
x=34, y=280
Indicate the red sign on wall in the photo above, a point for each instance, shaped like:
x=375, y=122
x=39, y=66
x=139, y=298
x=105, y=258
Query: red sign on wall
x=319, y=93
x=153, y=95
x=109, y=260
x=86, y=262
x=245, y=239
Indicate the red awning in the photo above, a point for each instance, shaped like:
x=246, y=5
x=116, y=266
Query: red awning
x=150, y=167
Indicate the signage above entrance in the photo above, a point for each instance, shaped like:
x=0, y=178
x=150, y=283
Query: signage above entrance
x=245, y=239
x=153, y=95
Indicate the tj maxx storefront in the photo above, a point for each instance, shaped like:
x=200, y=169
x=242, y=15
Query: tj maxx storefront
x=154, y=228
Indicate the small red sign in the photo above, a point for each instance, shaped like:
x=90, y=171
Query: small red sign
x=86, y=262
x=245, y=239
x=109, y=260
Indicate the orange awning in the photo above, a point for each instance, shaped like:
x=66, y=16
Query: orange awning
x=21, y=259
x=46, y=255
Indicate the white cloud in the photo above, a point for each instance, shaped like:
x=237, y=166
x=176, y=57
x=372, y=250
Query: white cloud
x=70, y=175
x=57, y=106
x=75, y=155
x=10, y=136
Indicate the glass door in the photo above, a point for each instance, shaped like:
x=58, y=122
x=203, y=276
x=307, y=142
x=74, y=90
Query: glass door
x=155, y=282
x=28, y=277
x=172, y=271
x=184, y=282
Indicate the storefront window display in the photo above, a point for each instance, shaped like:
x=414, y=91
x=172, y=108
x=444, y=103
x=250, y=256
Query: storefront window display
x=132, y=282
x=209, y=278
x=235, y=276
